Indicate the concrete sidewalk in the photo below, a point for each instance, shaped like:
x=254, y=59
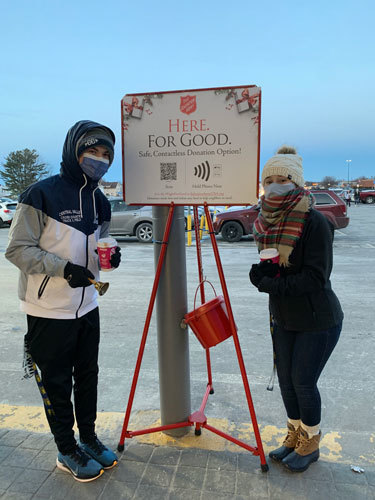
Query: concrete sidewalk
x=144, y=471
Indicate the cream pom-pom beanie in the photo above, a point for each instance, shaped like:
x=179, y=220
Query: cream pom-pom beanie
x=287, y=163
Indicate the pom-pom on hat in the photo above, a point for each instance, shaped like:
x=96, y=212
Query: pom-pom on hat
x=287, y=163
x=96, y=137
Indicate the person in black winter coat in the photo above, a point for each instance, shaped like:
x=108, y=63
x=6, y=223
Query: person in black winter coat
x=53, y=242
x=306, y=315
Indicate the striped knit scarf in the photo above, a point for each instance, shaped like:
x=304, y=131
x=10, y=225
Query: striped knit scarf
x=281, y=220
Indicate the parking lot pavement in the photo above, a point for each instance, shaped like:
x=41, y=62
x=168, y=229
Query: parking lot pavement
x=206, y=466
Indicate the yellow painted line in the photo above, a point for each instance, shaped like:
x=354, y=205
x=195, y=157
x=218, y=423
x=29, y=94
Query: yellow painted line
x=331, y=442
x=32, y=419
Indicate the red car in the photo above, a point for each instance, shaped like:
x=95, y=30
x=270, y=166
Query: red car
x=367, y=196
x=236, y=223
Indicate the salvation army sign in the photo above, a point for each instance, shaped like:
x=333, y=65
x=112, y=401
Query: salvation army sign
x=191, y=147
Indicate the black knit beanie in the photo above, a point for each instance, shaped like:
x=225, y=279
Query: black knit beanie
x=96, y=137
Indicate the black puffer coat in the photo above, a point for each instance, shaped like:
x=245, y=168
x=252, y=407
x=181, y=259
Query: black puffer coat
x=302, y=299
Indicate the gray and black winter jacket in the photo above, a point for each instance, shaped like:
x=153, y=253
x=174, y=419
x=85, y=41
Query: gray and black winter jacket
x=59, y=220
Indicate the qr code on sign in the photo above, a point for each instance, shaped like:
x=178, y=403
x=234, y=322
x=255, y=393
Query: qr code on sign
x=168, y=171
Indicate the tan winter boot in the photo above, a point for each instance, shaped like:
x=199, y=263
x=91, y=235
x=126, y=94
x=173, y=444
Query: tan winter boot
x=288, y=445
x=305, y=452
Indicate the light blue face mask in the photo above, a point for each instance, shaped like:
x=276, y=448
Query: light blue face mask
x=278, y=189
x=94, y=167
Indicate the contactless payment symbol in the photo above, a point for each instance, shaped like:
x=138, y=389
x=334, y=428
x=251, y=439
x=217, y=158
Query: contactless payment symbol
x=203, y=171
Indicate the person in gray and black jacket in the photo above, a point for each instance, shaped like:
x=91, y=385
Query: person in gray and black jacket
x=53, y=240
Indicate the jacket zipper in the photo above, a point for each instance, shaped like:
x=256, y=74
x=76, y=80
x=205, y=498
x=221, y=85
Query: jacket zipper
x=83, y=288
x=87, y=242
x=43, y=286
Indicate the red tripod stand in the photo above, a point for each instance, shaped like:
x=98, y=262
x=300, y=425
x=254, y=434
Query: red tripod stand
x=198, y=418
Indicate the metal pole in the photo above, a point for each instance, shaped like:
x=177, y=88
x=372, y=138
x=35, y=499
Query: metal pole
x=171, y=306
x=348, y=163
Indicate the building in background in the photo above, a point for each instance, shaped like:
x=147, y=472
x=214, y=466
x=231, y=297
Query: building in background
x=111, y=188
x=365, y=183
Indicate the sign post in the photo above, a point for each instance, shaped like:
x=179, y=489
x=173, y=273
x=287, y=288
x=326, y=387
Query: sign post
x=171, y=306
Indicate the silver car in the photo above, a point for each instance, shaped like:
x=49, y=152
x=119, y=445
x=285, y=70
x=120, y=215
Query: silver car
x=131, y=220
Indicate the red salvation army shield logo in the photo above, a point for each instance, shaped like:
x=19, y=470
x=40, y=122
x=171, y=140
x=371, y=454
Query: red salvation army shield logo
x=188, y=104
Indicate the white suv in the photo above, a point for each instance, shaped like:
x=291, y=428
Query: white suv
x=7, y=210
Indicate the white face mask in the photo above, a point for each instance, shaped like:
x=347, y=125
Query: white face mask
x=278, y=189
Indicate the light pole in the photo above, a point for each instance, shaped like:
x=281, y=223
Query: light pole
x=348, y=163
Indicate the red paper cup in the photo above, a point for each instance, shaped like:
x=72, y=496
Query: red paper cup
x=106, y=248
x=271, y=254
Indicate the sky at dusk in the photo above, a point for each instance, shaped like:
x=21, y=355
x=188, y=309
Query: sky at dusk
x=64, y=61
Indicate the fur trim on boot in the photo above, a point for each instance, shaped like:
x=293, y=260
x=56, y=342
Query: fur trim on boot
x=288, y=445
x=305, y=452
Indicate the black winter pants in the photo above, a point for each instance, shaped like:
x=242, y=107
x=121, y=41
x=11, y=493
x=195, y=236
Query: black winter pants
x=300, y=359
x=66, y=350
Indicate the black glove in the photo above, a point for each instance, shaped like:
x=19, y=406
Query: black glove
x=255, y=275
x=77, y=276
x=268, y=268
x=116, y=258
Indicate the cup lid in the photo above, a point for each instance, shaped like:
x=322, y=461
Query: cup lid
x=107, y=242
x=269, y=253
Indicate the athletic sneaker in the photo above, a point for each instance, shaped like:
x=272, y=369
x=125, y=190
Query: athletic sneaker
x=82, y=467
x=100, y=453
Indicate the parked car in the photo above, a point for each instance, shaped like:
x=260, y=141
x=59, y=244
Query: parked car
x=343, y=195
x=136, y=220
x=131, y=220
x=338, y=191
x=367, y=196
x=7, y=210
x=237, y=223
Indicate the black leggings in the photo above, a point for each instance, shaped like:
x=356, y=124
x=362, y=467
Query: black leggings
x=67, y=349
x=300, y=359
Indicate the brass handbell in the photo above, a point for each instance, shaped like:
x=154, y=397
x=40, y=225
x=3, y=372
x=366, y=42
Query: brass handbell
x=100, y=286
